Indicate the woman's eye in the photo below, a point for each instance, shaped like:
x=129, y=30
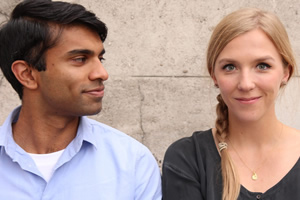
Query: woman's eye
x=229, y=67
x=263, y=66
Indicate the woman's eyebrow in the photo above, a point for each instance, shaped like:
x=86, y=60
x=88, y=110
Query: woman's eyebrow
x=231, y=60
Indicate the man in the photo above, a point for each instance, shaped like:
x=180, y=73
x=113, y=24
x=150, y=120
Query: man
x=51, y=54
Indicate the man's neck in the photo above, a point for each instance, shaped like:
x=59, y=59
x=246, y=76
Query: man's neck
x=40, y=133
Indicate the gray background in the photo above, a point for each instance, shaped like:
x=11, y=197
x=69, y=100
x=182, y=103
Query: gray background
x=159, y=90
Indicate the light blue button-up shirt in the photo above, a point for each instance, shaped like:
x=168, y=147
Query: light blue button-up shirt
x=101, y=163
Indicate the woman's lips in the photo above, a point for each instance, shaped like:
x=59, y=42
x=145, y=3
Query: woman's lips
x=248, y=100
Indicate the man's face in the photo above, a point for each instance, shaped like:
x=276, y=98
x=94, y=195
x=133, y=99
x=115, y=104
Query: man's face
x=72, y=84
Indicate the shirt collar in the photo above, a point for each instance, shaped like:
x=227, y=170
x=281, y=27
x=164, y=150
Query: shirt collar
x=84, y=132
x=6, y=128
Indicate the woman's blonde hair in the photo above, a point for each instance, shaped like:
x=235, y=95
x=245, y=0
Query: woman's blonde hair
x=230, y=27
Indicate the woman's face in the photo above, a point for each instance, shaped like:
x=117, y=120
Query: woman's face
x=249, y=72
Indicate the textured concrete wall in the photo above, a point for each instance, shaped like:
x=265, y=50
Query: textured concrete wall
x=159, y=89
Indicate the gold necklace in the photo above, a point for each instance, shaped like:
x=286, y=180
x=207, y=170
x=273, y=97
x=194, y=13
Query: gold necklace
x=254, y=176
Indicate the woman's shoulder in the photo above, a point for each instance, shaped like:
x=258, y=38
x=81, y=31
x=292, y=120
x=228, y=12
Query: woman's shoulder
x=197, y=138
x=291, y=140
x=190, y=147
x=190, y=156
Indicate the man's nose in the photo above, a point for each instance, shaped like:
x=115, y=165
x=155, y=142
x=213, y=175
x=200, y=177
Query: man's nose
x=98, y=71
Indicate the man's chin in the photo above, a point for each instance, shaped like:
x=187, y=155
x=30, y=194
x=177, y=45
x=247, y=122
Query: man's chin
x=93, y=112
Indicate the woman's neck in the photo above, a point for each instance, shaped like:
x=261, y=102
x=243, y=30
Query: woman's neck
x=257, y=133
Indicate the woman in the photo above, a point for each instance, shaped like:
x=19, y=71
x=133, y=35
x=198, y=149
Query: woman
x=249, y=154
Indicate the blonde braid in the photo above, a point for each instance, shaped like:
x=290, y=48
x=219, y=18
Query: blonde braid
x=231, y=184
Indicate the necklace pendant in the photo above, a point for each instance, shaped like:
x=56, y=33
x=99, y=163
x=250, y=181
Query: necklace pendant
x=254, y=176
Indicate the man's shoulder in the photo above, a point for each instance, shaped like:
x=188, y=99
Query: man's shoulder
x=120, y=147
x=112, y=136
x=104, y=129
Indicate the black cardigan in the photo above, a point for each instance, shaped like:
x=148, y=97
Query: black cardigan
x=191, y=171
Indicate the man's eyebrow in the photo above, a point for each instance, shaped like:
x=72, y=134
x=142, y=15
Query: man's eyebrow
x=83, y=51
x=80, y=51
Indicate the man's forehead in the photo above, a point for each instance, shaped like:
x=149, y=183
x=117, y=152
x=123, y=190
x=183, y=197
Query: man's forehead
x=79, y=37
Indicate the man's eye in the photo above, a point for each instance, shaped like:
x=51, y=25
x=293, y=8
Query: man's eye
x=263, y=66
x=101, y=59
x=229, y=67
x=79, y=59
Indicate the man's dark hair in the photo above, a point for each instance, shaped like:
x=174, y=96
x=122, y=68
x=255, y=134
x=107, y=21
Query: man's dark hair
x=34, y=27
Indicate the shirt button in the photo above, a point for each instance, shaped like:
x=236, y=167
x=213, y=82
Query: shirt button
x=258, y=196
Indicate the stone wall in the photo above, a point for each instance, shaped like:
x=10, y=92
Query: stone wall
x=159, y=90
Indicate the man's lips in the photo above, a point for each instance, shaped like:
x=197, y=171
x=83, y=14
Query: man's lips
x=97, y=92
x=248, y=100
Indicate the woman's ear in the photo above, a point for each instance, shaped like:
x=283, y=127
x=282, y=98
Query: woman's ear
x=25, y=74
x=215, y=81
x=286, y=74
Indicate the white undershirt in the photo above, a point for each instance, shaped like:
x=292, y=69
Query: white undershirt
x=46, y=162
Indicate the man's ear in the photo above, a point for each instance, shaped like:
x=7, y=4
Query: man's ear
x=25, y=74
